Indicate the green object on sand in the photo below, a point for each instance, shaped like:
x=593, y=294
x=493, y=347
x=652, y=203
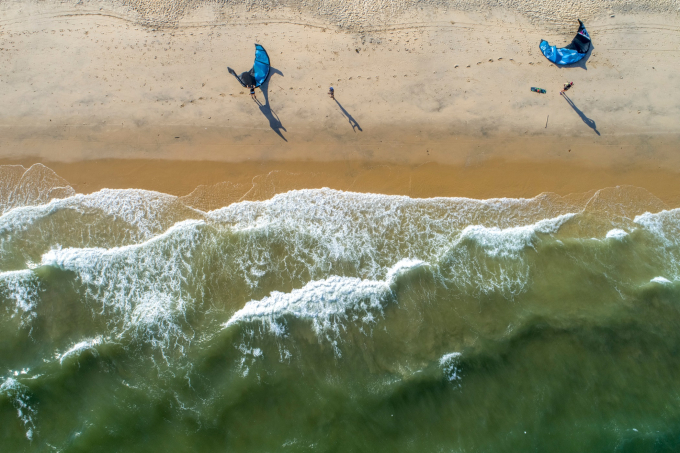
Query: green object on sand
x=538, y=90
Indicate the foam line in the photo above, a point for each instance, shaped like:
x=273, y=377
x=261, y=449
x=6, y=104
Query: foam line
x=510, y=241
x=508, y=272
x=142, y=209
x=78, y=348
x=665, y=225
x=73, y=258
x=329, y=203
x=326, y=303
x=141, y=284
x=617, y=234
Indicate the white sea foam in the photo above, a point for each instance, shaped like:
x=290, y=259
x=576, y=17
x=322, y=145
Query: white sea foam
x=146, y=210
x=18, y=395
x=370, y=231
x=321, y=227
x=509, y=242
x=402, y=267
x=78, y=348
x=661, y=280
x=141, y=208
x=22, y=287
x=73, y=258
x=249, y=356
x=508, y=272
x=319, y=301
x=335, y=207
x=20, y=218
x=327, y=303
x=449, y=364
x=665, y=226
x=35, y=186
x=617, y=234
x=144, y=285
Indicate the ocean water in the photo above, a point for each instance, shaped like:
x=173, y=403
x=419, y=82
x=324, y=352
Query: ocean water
x=322, y=320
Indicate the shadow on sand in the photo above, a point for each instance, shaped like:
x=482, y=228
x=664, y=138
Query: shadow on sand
x=590, y=123
x=274, y=121
x=350, y=118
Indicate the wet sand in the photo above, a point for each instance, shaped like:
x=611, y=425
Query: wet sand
x=212, y=184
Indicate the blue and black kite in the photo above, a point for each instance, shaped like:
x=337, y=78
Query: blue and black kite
x=260, y=71
x=572, y=53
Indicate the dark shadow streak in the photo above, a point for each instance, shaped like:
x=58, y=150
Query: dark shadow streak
x=274, y=121
x=590, y=123
x=350, y=118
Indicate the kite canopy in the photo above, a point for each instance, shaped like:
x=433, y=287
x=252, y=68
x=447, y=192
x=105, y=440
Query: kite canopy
x=260, y=71
x=572, y=53
x=261, y=65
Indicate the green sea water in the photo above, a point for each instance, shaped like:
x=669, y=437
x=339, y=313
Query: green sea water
x=328, y=321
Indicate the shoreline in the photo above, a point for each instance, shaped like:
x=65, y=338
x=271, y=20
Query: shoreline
x=216, y=184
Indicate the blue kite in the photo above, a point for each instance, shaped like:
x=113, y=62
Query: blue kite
x=260, y=71
x=572, y=53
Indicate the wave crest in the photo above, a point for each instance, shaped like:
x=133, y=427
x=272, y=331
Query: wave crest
x=327, y=304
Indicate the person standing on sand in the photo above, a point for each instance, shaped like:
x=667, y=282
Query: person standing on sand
x=252, y=92
x=566, y=87
x=331, y=92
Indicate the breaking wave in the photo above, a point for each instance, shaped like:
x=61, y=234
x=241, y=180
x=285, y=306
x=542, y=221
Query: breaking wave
x=328, y=304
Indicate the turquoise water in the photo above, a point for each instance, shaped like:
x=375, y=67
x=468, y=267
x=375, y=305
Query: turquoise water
x=323, y=320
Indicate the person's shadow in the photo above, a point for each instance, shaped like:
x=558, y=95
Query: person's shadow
x=590, y=123
x=274, y=121
x=350, y=118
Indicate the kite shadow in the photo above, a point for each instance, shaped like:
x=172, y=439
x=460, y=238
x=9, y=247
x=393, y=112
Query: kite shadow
x=581, y=63
x=590, y=123
x=350, y=118
x=274, y=121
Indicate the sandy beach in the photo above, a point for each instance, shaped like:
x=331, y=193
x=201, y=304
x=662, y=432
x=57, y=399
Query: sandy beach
x=430, y=100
